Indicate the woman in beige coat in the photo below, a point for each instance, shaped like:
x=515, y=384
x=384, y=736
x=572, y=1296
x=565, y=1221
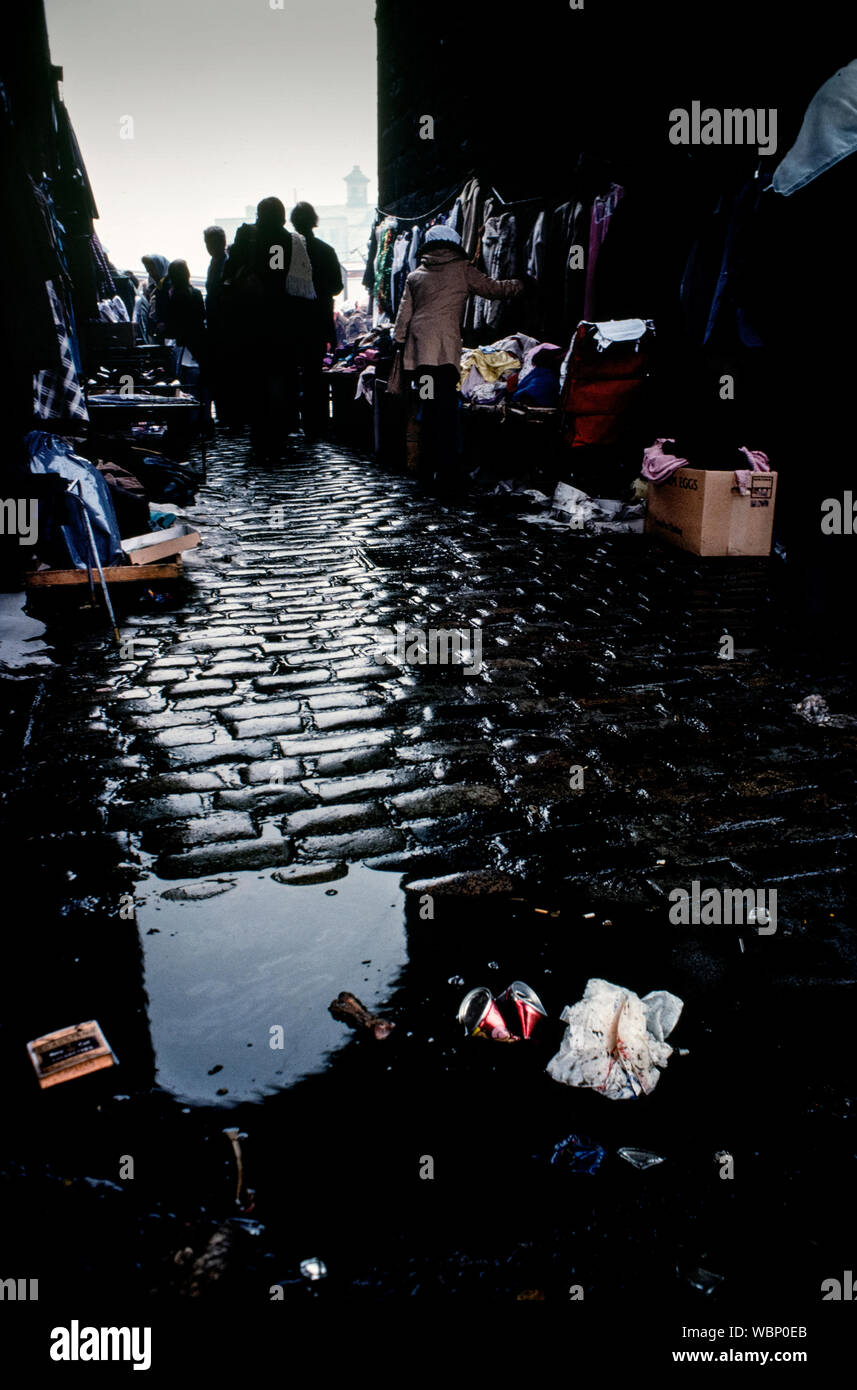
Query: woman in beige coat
x=428, y=332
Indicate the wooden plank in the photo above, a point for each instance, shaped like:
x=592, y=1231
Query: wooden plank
x=113, y=574
x=149, y=554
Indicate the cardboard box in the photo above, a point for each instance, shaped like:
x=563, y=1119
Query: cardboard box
x=701, y=510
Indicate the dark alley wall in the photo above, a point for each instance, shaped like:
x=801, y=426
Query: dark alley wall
x=517, y=91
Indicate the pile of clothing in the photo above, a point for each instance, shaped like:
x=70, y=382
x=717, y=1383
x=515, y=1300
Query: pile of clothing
x=351, y=324
x=516, y=368
x=112, y=310
x=360, y=358
x=366, y=350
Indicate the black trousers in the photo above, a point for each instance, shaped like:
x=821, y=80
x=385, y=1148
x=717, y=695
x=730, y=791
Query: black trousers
x=314, y=395
x=433, y=422
x=273, y=399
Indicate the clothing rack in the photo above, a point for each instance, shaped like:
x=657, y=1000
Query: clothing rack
x=518, y=202
x=586, y=165
x=421, y=216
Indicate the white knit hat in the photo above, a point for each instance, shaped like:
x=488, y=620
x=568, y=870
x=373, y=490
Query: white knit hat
x=440, y=232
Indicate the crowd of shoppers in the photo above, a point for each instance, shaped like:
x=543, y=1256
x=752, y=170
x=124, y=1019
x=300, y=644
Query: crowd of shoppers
x=255, y=344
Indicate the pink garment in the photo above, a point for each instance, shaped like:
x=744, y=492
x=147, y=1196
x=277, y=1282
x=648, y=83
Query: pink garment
x=759, y=463
x=603, y=208
x=657, y=465
x=759, y=460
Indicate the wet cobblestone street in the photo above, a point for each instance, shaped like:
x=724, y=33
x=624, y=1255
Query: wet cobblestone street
x=266, y=790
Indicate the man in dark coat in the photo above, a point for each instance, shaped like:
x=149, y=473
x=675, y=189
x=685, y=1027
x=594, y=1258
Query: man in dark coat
x=268, y=288
x=321, y=329
x=217, y=377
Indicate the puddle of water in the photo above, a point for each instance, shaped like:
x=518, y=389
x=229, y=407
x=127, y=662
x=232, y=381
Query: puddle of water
x=221, y=972
x=20, y=636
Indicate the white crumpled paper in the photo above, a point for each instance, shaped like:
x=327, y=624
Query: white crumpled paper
x=595, y=515
x=615, y=1042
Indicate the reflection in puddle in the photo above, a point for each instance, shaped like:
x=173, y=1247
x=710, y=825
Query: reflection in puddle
x=222, y=972
x=21, y=646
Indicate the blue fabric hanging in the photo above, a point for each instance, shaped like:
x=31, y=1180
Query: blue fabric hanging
x=49, y=453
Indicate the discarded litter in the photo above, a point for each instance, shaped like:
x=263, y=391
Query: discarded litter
x=527, y=1005
x=596, y=515
x=214, y=1262
x=348, y=1009
x=615, y=1042
x=481, y=1016
x=70, y=1052
x=578, y=1154
x=815, y=710
x=518, y=1007
x=704, y=1280
x=641, y=1158
x=313, y=1269
x=510, y=488
x=250, y=1228
x=243, y=1195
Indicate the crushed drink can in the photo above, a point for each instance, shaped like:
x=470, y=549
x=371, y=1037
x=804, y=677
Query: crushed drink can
x=481, y=1016
x=527, y=1005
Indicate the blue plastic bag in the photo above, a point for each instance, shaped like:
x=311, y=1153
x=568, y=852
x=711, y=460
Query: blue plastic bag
x=578, y=1154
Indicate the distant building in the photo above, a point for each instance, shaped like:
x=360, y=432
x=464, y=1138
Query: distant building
x=344, y=226
x=230, y=225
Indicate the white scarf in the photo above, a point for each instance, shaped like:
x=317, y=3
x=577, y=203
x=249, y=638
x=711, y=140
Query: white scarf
x=299, y=279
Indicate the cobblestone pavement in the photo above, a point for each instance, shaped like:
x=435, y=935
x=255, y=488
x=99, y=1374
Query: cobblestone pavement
x=259, y=731
x=247, y=733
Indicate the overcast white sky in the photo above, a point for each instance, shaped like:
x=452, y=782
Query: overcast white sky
x=231, y=100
